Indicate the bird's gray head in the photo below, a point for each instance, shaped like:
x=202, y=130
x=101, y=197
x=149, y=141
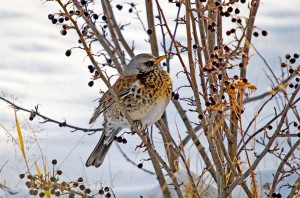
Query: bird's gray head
x=142, y=63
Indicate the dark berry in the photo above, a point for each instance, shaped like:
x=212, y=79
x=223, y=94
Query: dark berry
x=241, y=65
x=71, y=12
x=291, y=71
x=236, y=11
x=207, y=104
x=177, y=4
x=101, y=192
x=228, y=33
x=50, y=16
x=22, y=176
x=269, y=127
x=229, y=9
x=140, y=165
x=176, y=96
x=54, y=20
x=232, y=30
x=67, y=18
x=256, y=34
x=61, y=20
x=226, y=48
x=264, y=33
x=149, y=31
x=81, y=187
x=95, y=16
x=239, y=21
x=104, y=18
x=298, y=79
x=91, y=83
x=87, y=191
x=54, y=162
x=63, y=32
x=108, y=195
x=83, y=2
x=119, y=139
x=217, y=3
x=106, y=189
x=130, y=10
x=86, y=14
x=296, y=56
x=298, y=134
x=195, y=46
x=52, y=179
x=124, y=141
x=287, y=56
x=200, y=116
x=243, y=1
x=203, y=1
x=68, y=53
x=59, y=172
x=291, y=85
x=42, y=194
x=292, y=60
x=119, y=7
x=233, y=20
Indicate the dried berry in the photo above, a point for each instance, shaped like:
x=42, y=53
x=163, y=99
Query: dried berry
x=283, y=65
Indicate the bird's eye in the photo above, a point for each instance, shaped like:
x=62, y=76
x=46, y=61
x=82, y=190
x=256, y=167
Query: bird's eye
x=149, y=63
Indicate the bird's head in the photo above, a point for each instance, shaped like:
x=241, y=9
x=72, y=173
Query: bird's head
x=142, y=63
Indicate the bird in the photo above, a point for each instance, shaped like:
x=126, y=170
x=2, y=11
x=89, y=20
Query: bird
x=145, y=90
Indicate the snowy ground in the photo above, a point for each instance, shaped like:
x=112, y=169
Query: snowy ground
x=34, y=70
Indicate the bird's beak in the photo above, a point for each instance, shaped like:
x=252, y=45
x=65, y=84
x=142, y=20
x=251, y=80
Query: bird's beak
x=158, y=59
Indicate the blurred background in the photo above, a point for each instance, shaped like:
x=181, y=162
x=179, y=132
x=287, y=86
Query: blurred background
x=35, y=71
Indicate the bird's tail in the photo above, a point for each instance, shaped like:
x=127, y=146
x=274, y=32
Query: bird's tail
x=101, y=149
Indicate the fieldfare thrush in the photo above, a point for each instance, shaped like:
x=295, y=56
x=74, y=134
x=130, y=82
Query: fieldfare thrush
x=144, y=89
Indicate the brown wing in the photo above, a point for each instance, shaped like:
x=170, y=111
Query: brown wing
x=122, y=87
